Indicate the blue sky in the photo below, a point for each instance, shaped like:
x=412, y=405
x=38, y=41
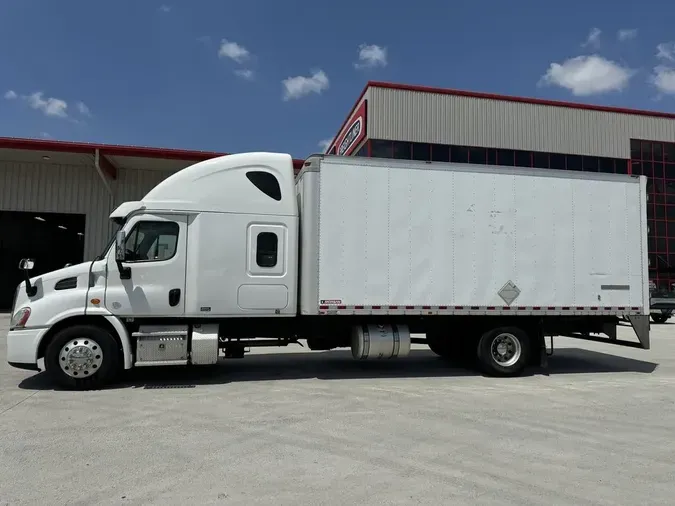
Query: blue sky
x=152, y=73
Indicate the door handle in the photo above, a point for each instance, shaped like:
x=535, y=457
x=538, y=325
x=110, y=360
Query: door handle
x=174, y=297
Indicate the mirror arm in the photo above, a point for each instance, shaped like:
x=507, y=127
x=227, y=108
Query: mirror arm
x=125, y=272
x=31, y=290
x=120, y=255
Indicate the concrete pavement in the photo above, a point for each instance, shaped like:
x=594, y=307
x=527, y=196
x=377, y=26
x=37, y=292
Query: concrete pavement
x=293, y=427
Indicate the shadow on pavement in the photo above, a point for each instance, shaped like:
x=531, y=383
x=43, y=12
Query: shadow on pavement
x=336, y=365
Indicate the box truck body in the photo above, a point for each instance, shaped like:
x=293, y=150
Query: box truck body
x=374, y=255
x=412, y=237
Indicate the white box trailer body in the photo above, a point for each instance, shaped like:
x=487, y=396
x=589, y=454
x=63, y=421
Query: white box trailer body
x=369, y=254
x=406, y=237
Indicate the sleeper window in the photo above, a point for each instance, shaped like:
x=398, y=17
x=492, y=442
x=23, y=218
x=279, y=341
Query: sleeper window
x=266, y=183
x=267, y=246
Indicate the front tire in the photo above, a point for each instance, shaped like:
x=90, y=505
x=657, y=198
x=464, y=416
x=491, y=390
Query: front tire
x=83, y=357
x=504, y=351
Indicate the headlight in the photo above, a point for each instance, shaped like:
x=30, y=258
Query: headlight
x=20, y=318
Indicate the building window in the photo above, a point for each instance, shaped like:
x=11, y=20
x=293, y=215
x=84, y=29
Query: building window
x=590, y=164
x=421, y=151
x=606, y=165
x=523, y=158
x=267, y=245
x=540, y=160
x=505, y=157
x=656, y=160
x=381, y=149
x=573, y=162
x=266, y=183
x=440, y=153
x=491, y=156
x=459, y=154
x=402, y=150
x=477, y=156
x=363, y=151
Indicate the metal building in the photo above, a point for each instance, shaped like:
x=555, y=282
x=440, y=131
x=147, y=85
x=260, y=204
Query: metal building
x=421, y=123
x=55, y=198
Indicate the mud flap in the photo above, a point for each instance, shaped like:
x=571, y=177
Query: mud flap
x=641, y=326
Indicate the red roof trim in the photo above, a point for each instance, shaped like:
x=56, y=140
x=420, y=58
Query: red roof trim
x=349, y=116
x=113, y=150
x=510, y=98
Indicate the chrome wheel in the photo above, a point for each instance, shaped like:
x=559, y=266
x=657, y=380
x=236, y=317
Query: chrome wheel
x=80, y=358
x=506, y=349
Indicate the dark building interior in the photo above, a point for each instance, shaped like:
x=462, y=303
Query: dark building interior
x=51, y=239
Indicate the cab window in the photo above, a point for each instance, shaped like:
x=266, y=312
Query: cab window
x=151, y=241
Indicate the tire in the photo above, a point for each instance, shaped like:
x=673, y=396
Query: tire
x=83, y=357
x=459, y=350
x=439, y=346
x=504, y=351
x=660, y=318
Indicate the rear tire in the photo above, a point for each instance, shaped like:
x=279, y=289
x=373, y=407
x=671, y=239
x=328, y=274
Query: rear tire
x=504, y=351
x=83, y=357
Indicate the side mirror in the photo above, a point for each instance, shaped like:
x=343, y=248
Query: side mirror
x=120, y=246
x=26, y=264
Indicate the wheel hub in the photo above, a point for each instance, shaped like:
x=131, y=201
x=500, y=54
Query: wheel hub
x=80, y=357
x=506, y=349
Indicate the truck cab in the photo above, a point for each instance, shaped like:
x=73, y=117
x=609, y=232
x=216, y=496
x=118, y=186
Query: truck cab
x=215, y=240
x=661, y=302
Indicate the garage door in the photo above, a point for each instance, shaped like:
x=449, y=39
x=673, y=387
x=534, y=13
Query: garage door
x=52, y=239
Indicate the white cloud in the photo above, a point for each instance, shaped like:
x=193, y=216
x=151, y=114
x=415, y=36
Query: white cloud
x=45, y=135
x=588, y=75
x=299, y=86
x=593, y=39
x=245, y=74
x=663, y=78
x=666, y=51
x=233, y=51
x=49, y=106
x=371, y=56
x=83, y=109
x=165, y=8
x=323, y=145
x=626, y=34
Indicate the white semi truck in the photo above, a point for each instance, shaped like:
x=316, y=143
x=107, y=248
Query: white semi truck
x=238, y=251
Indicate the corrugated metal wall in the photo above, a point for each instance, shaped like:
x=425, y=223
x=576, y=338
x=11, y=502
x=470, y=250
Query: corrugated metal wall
x=446, y=119
x=49, y=187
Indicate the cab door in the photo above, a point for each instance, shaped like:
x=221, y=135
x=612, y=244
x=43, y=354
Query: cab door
x=151, y=279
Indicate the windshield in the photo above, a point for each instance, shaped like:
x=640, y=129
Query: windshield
x=111, y=241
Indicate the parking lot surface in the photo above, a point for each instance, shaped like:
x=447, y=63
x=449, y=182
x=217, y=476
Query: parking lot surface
x=293, y=427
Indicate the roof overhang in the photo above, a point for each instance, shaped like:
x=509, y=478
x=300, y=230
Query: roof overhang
x=111, y=157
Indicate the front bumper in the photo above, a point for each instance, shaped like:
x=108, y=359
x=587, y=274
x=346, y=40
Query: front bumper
x=22, y=347
x=662, y=303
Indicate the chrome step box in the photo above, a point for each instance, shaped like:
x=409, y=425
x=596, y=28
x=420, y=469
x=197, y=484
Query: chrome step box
x=161, y=345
